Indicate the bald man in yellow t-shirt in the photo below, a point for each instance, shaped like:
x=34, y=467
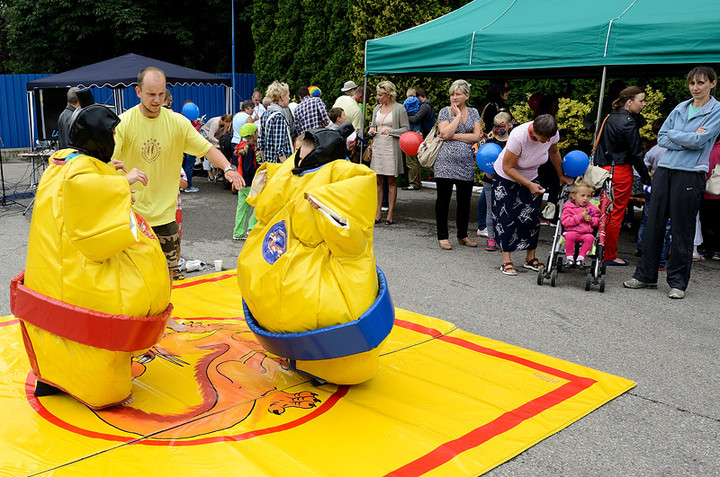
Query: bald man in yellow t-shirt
x=153, y=139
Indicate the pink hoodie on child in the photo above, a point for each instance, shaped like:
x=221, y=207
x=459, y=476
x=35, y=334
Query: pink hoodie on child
x=573, y=221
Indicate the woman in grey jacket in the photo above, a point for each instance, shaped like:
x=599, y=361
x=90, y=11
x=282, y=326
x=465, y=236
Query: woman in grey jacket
x=678, y=184
x=389, y=121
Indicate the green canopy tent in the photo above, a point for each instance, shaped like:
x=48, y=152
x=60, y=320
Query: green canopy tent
x=553, y=38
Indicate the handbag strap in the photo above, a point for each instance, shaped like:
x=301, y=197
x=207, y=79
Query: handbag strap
x=597, y=140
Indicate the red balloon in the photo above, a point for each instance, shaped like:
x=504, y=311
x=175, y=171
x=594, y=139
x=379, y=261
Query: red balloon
x=410, y=142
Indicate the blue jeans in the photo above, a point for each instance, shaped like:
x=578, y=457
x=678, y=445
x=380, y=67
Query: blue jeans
x=482, y=210
x=188, y=165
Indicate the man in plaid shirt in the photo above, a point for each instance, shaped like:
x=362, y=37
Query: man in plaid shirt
x=310, y=113
x=274, y=139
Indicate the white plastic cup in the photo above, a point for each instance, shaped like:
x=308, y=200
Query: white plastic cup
x=218, y=265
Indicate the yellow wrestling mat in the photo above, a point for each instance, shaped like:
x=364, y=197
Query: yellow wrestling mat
x=211, y=402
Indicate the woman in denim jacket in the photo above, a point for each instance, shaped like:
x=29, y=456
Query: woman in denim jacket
x=688, y=134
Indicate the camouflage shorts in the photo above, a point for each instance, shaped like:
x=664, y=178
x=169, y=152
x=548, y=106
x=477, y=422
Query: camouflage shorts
x=169, y=237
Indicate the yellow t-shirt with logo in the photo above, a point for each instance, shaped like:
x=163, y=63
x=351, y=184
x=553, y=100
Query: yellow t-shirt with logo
x=156, y=147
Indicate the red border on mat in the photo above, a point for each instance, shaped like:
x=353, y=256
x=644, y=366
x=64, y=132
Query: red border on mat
x=451, y=449
x=433, y=459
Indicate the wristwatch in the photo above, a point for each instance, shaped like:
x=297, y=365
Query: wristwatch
x=229, y=167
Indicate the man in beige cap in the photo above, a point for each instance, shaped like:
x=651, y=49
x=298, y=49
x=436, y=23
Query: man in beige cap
x=350, y=104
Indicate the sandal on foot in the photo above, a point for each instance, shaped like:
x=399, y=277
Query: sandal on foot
x=533, y=264
x=508, y=269
x=445, y=244
x=467, y=242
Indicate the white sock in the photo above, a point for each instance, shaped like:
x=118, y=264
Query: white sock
x=569, y=258
x=580, y=258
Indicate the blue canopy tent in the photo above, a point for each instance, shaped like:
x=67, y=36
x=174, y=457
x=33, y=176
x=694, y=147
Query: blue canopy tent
x=118, y=74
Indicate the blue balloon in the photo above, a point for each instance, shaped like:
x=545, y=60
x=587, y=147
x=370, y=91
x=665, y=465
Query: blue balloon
x=486, y=156
x=575, y=163
x=191, y=111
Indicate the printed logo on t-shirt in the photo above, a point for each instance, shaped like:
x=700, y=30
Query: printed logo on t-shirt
x=275, y=242
x=151, y=150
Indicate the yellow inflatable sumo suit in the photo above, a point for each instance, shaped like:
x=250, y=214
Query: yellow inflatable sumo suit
x=96, y=287
x=309, y=264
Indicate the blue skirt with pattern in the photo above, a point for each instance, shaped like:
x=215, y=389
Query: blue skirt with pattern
x=516, y=213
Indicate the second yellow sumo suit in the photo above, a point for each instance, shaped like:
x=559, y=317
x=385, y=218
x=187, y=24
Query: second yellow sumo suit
x=306, y=268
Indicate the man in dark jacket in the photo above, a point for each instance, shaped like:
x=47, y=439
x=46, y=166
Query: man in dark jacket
x=425, y=118
x=64, y=119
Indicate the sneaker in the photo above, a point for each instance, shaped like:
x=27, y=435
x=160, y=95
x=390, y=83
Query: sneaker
x=545, y=222
x=636, y=284
x=192, y=189
x=569, y=263
x=491, y=245
x=482, y=232
x=638, y=252
x=716, y=256
x=238, y=238
x=411, y=188
x=676, y=293
x=580, y=264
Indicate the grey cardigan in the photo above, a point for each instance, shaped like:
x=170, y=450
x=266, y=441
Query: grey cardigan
x=400, y=124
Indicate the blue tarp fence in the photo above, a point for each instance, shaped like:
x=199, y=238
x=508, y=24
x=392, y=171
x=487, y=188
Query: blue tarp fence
x=14, y=120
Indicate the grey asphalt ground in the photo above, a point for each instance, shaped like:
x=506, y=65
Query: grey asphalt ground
x=668, y=425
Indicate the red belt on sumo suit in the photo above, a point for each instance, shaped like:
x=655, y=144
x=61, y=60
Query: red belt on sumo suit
x=88, y=327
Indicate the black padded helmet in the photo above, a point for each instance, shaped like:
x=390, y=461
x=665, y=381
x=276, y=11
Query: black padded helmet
x=91, y=127
x=330, y=145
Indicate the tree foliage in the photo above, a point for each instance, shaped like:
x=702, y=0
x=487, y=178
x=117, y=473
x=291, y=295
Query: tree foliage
x=302, y=42
x=50, y=36
x=297, y=41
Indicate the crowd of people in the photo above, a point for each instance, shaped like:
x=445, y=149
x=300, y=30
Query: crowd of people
x=680, y=223
x=88, y=214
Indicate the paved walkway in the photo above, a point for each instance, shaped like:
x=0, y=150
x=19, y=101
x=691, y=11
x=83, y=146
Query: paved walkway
x=668, y=425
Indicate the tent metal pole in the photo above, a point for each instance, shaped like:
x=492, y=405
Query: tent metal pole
x=117, y=99
x=232, y=36
x=41, y=118
x=362, y=118
x=600, y=103
x=31, y=115
x=365, y=85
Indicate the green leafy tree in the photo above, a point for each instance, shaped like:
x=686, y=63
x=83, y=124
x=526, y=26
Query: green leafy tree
x=654, y=101
x=570, y=116
x=378, y=18
x=55, y=35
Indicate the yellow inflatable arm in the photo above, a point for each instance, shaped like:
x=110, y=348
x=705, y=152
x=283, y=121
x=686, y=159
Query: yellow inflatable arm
x=346, y=234
x=97, y=212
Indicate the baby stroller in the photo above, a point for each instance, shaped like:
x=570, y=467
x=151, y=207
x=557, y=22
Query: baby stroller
x=601, y=181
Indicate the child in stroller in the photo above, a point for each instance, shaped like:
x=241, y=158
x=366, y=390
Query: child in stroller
x=579, y=219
